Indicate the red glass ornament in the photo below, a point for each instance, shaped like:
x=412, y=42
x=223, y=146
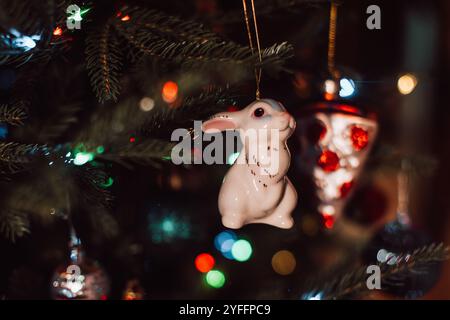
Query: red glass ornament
x=328, y=161
x=316, y=132
x=359, y=137
x=345, y=188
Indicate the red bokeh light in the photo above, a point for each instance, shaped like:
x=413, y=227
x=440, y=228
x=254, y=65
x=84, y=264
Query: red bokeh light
x=204, y=262
x=328, y=221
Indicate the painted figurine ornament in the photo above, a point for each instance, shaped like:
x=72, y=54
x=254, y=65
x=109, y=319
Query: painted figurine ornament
x=256, y=188
x=335, y=139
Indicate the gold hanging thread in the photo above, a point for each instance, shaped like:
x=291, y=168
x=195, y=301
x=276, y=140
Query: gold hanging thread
x=250, y=40
x=332, y=40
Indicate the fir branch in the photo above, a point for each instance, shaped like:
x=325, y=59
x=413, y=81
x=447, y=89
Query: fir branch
x=13, y=152
x=166, y=26
x=103, y=62
x=90, y=180
x=14, y=224
x=14, y=157
x=405, y=266
x=210, y=101
x=149, y=152
x=203, y=53
x=14, y=114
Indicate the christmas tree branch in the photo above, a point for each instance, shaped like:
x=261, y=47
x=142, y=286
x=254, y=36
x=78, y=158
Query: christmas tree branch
x=13, y=224
x=405, y=265
x=166, y=26
x=103, y=62
x=13, y=114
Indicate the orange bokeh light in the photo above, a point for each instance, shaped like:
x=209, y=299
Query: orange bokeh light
x=125, y=18
x=170, y=92
x=204, y=262
x=57, y=31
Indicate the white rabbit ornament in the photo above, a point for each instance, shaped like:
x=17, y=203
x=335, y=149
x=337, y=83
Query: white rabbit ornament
x=256, y=188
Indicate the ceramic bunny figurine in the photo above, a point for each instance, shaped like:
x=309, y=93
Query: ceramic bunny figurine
x=256, y=188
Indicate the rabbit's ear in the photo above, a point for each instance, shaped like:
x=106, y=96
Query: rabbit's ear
x=218, y=124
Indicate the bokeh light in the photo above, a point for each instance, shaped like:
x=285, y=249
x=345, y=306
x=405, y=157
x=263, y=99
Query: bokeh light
x=82, y=158
x=241, y=250
x=57, y=31
x=204, y=262
x=348, y=88
x=407, y=83
x=309, y=225
x=175, y=181
x=125, y=18
x=146, y=104
x=312, y=296
x=328, y=221
x=222, y=237
x=283, y=262
x=170, y=92
x=330, y=87
x=168, y=227
x=224, y=243
x=215, y=279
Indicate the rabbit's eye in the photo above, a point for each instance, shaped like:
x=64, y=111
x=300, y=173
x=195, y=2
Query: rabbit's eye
x=259, y=112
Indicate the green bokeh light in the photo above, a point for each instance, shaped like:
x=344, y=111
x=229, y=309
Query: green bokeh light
x=168, y=226
x=108, y=183
x=83, y=158
x=215, y=279
x=241, y=250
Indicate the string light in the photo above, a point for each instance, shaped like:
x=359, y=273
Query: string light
x=407, y=83
x=108, y=183
x=125, y=18
x=170, y=92
x=57, y=31
x=204, y=262
x=20, y=41
x=82, y=158
x=215, y=279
